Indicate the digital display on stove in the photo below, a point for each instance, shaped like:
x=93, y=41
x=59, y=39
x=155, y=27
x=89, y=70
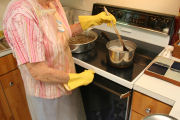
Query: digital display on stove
x=135, y=19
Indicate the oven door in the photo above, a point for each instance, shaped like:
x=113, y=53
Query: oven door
x=105, y=100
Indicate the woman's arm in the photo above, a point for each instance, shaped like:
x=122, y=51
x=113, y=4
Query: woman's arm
x=76, y=29
x=41, y=71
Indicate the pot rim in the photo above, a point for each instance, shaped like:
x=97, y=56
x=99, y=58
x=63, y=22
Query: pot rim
x=121, y=51
x=95, y=38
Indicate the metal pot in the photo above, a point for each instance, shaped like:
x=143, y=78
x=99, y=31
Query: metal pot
x=87, y=56
x=84, y=47
x=120, y=59
x=159, y=117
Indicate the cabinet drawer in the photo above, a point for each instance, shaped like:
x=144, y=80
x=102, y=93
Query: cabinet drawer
x=7, y=64
x=146, y=105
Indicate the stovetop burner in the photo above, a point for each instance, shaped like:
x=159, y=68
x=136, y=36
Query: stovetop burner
x=144, y=54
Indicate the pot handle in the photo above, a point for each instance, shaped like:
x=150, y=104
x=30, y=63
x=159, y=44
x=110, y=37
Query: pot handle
x=75, y=48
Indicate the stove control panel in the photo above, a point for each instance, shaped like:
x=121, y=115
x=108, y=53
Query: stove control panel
x=151, y=21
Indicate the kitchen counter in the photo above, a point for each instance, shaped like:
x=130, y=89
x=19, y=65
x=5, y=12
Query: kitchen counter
x=160, y=90
x=5, y=52
x=4, y=47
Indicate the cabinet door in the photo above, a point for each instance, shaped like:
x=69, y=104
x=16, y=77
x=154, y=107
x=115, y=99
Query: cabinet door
x=136, y=116
x=7, y=64
x=15, y=93
x=5, y=112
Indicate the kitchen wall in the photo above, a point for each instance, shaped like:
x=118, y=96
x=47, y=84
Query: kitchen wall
x=161, y=6
x=3, y=5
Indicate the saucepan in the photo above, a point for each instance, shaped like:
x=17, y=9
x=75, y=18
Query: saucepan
x=116, y=57
x=119, y=58
x=83, y=42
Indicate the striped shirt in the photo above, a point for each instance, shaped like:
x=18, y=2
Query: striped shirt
x=36, y=39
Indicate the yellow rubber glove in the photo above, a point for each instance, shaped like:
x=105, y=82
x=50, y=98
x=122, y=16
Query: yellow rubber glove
x=89, y=21
x=79, y=79
x=1, y=34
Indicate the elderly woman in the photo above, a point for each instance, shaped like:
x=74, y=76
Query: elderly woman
x=38, y=33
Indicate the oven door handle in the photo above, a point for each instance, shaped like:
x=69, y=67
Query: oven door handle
x=125, y=95
x=122, y=96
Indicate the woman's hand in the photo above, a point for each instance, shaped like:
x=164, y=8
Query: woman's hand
x=79, y=79
x=89, y=21
x=76, y=29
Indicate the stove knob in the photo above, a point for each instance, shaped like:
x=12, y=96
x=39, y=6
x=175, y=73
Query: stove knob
x=153, y=22
x=128, y=17
x=166, y=30
x=166, y=21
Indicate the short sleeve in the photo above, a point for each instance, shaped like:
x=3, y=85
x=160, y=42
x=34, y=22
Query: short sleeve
x=26, y=39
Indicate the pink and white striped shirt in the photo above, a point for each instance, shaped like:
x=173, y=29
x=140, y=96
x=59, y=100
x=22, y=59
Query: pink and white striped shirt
x=36, y=38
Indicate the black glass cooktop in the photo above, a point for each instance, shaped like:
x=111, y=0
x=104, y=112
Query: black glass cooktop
x=144, y=54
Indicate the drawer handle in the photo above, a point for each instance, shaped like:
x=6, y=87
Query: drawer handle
x=11, y=84
x=148, y=110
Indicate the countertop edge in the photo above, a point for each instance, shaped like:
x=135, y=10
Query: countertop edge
x=5, y=52
x=154, y=95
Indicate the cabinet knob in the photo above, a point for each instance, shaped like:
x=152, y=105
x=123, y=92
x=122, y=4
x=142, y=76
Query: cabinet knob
x=148, y=110
x=11, y=84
